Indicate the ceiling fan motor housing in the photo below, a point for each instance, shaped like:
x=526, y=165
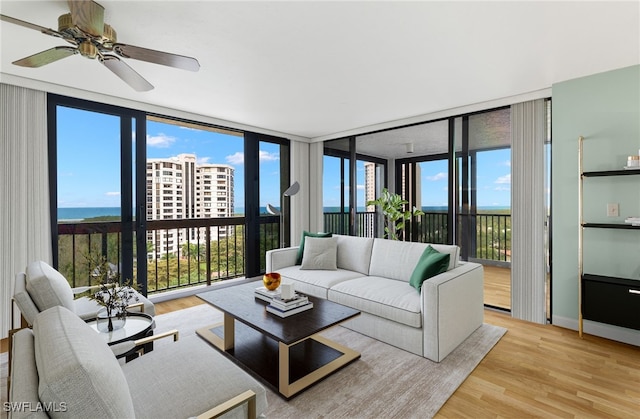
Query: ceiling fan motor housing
x=88, y=45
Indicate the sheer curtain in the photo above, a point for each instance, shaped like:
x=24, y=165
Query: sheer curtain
x=24, y=191
x=528, y=262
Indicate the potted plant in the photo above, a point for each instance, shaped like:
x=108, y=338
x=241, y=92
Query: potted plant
x=393, y=208
x=111, y=295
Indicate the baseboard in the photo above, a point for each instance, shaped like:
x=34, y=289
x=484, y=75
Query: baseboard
x=607, y=331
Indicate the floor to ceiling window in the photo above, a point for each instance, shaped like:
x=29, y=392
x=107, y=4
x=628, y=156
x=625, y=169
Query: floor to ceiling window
x=169, y=203
x=92, y=160
x=484, y=204
x=274, y=209
x=351, y=179
x=458, y=171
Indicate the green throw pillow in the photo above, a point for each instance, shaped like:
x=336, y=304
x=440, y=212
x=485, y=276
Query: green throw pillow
x=301, y=249
x=431, y=263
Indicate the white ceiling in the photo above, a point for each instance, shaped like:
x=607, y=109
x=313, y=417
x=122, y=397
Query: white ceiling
x=318, y=69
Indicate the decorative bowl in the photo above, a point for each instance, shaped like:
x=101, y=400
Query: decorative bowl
x=271, y=280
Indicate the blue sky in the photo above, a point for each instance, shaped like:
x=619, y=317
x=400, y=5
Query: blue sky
x=89, y=164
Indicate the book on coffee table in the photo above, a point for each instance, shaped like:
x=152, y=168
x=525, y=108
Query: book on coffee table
x=286, y=313
x=266, y=295
x=287, y=304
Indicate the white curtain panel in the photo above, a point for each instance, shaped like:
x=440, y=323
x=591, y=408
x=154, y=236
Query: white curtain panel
x=528, y=262
x=299, y=202
x=24, y=192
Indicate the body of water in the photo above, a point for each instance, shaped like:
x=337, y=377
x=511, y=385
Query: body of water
x=77, y=214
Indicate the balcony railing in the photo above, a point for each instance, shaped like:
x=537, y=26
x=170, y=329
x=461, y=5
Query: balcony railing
x=184, y=253
x=492, y=240
x=180, y=253
x=338, y=223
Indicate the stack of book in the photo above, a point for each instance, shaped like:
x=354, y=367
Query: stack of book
x=285, y=308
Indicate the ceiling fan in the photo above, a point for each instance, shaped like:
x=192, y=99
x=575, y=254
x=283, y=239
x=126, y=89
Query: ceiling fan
x=91, y=37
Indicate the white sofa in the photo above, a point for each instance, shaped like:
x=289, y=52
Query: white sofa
x=373, y=275
x=62, y=368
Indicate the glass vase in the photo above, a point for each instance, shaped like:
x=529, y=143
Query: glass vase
x=106, y=324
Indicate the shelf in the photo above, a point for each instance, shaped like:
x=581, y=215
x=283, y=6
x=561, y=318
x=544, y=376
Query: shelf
x=611, y=279
x=601, y=173
x=620, y=226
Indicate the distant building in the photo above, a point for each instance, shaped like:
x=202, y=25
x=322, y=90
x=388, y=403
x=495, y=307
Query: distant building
x=180, y=188
x=369, y=185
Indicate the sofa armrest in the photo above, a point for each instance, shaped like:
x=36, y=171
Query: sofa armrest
x=248, y=397
x=281, y=258
x=452, y=308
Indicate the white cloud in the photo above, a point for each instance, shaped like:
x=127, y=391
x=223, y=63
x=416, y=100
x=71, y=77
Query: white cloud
x=360, y=187
x=160, y=141
x=439, y=176
x=507, y=163
x=502, y=188
x=203, y=160
x=112, y=193
x=236, y=158
x=266, y=156
x=506, y=179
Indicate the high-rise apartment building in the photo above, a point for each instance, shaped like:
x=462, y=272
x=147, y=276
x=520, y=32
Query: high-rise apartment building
x=180, y=188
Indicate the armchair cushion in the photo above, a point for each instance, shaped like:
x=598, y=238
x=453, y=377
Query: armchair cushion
x=48, y=287
x=75, y=366
x=23, y=299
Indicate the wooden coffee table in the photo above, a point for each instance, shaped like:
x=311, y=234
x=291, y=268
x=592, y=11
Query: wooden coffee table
x=287, y=354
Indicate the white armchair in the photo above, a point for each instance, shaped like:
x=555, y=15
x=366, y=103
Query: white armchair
x=41, y=287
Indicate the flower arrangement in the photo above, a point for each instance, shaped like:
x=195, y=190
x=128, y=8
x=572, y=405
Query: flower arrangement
x=111, y=294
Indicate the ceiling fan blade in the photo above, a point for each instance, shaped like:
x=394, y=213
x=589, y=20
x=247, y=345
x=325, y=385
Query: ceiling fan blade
x=126, y=73
x=33, y=26
x=46, y=57
x=156, y=57
x=88, y=16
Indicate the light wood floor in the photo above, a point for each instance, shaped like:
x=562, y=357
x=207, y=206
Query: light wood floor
x=538, y=371
x=497, y=287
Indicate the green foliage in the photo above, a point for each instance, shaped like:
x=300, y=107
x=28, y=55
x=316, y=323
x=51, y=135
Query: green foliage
x=395, y=214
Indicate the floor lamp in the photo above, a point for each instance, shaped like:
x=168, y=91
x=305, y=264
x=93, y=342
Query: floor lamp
x=292, y=190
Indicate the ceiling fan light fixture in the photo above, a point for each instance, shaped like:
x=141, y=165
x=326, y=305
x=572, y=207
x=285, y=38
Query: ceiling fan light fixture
x=64, y=22
x=87, y=49
x=109, y=36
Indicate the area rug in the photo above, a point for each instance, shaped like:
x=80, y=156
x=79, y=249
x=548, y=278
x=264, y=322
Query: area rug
x=386, y=382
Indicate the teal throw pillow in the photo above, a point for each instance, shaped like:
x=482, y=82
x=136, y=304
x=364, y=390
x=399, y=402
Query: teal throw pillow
x=307, y=234
x=431, y=263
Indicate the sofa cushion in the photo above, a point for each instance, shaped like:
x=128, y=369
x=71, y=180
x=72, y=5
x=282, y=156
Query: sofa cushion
x=393, y=300
x=397, y=259
x=48, y=287
x=354, y=253
x=306, y=234
x=316, y=282
x=431, y=263
x=75, y=366
x=212, y=379
x=320, y=253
